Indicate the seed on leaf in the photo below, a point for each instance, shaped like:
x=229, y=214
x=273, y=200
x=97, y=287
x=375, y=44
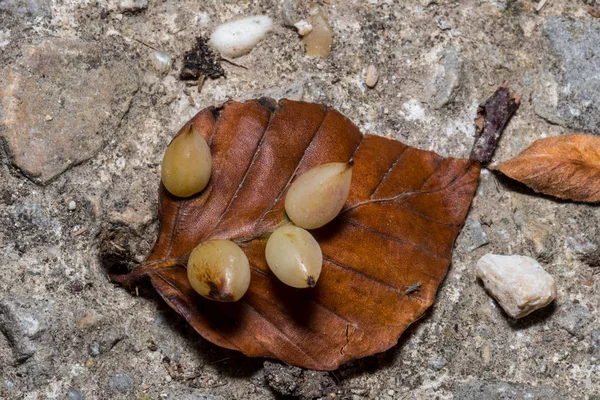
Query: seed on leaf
x=294, y=256
x=186, y=164
x=318, y=195
x=219, y=270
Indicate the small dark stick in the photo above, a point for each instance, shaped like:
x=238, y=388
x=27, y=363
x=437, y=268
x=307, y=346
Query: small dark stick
x=492, y=117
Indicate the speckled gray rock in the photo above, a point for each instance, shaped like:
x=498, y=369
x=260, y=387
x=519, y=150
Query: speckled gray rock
x=447, y=78
x=75, y=395
x=574, y=318
x=21, y=324
x=27, y=8
x=474, y=234
x=595, y=347
x=504, y=391
x=437, y=363
x=121, y=382
x=572, y=96
x=294, y=381
x=518, y=283
x=69, y=81
x=182, y=392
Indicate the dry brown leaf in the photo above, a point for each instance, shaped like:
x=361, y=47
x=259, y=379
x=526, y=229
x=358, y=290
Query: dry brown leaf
x=384, y=256
x=567, y=167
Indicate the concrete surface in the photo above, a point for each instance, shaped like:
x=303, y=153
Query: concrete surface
x=68, y=333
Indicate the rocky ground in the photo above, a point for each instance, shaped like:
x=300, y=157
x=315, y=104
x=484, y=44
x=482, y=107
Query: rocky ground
x=85, y=118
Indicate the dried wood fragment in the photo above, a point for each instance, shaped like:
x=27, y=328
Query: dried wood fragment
x=492, y=117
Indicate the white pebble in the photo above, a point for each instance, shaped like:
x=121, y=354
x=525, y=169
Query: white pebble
x=304, y=27
x=372, y=76
x=132, y=5
x=236, y=38
x=72, y=205
x=519, y=283
x=161, y=61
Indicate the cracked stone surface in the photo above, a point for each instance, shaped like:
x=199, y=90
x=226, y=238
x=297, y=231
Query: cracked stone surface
x=504, y=390
x=61, y=103
x=111, y=116
x=21, y=324
x=572, y=95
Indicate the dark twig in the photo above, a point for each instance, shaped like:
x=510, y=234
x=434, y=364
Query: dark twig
x=492, y=117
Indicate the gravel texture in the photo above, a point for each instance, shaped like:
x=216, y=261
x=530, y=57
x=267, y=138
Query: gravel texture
x=85, y=119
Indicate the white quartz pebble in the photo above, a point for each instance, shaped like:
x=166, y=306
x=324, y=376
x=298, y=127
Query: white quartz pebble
x=519, y=283
x=161, y=61
x=304, y=27
x=236, y=38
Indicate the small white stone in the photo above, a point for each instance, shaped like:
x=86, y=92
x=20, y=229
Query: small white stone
x=519, y=283
x=72, y=205
x=236, y=38
x=372, y=76
x=132, y=5
x=304, y=27
x=161, y=61
x=48, y=118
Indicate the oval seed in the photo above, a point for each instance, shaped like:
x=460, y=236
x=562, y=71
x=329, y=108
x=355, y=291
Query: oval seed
x=219, y=270
x=186, y=164
x=318, y=195
x=294, y=256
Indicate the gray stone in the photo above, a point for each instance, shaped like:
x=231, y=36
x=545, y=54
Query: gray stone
x=474, y=234
x=27, y=8
x=132, y=5
x=595, y=349
x=574, y=318
x=290, y=13
x=581, y=236
x=69, y=81
x=443, y=24
x=572, y=99
x=437, y=363
x=105, y=343
x=75, y=395
x=121, y=382
x=446, y=78
x=21, y=324
x=182, y=392
x=293, y=381
x=504, y=390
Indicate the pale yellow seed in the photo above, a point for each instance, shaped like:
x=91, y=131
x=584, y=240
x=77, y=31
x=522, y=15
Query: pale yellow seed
x=186, y=164
x=219, y=270
x=318, y=195
x=294, y=256
x=318, y=41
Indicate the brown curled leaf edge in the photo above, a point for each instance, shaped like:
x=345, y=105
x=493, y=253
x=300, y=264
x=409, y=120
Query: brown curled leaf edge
x=396, y=231
x=567, y=167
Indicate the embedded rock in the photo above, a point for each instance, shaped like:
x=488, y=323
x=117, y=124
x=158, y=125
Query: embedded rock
x=571, y=93
x=504, y=390
x=60, y=103
x=446, y=79
x=21, y=324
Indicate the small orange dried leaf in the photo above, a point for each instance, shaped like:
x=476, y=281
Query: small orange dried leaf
x=567, y=167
